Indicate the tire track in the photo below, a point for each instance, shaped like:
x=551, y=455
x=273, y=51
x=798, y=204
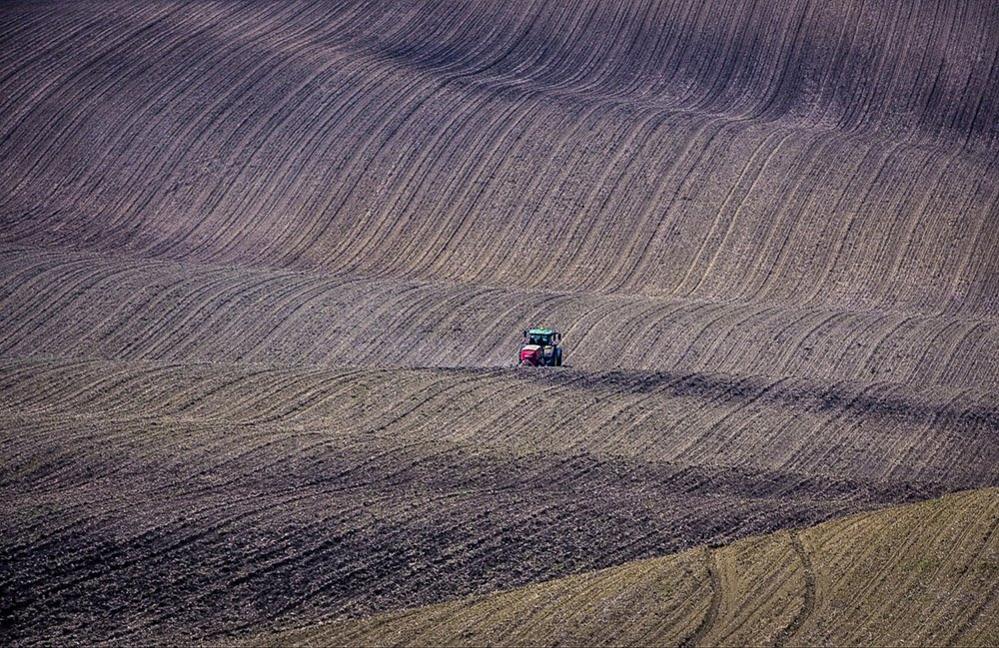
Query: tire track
x=808, y=600
x=711, y=616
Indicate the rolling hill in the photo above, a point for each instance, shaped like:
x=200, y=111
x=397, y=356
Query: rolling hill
x=264, y=269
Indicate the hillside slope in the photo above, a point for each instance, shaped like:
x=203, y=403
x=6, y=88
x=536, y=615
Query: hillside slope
x=80, y=305
x=923, y=574
x=155, y=501
x=264, y=269
x=808, y=152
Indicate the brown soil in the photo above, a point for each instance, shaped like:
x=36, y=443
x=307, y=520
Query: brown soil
x=193, y=501
x=263, y=270
x=921, y=574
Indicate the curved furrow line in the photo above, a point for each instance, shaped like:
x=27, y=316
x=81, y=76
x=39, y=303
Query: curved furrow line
x=284, y=394
x=183, y=310
x=857, y=339
x=861, y=555
x=117, y=141
x=714, y=432
x=739, y=315
x=90, y=391
x=763, y=281
x=42, y=304
x=694, y=419
x=310, y=400
x=431, y=155
x=664, y=205
x=313, y=139
x=922, y=423
x=731, y=202
x=515, y=105
x=938, y=340
x=710, y=128
x=657, y=330
x=955, y=289
x=867, y=363
x=266, y=268
x=177, y=543
x=590, y=323
x=295, y=304
x=631, y=417
x=315, y=590
x=195, y=129
x=702, y=336
x=369, y=322
x=958, y=539
x=249, y=143
x=134, y=131
x=691, y=323
x=945, y=374
x=720, y=354
x=373, y=135
x=794, y=457
x=552, y=87
x=208, y=308
x=803, y=347
x=989, y=541
x=70, y=291
x=176, y=403
x=950, y=256
x=924, y=190
x=72, y=115
x=73, y=297
x=541, y=69
x=112, y=43
x=565, y=136
x=263, y=384
x=208, y=315
x=496, y=140
x=293, y=494
x=14, y=63
x=272, y=129
x=874, y=179
x=156, y=307
x=638, y=250
x=393, y=314
x=508, y=421
x=281, y=305
x=909, y=455
x=738, y=203
x=429, y=318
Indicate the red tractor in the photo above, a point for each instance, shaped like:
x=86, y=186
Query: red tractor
x=540, y=348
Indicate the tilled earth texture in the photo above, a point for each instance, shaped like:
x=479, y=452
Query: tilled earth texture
x=264, y=269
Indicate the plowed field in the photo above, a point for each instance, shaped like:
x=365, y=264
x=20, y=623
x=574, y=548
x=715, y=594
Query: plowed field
x=264, y=268
x=910, y=575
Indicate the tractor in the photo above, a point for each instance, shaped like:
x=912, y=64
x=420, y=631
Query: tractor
x=540, y=348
